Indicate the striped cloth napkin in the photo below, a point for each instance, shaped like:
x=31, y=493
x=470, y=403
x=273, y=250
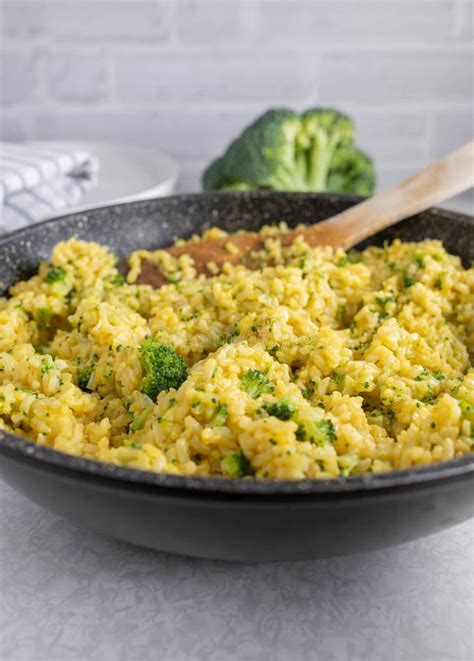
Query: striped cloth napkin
x=39, y=180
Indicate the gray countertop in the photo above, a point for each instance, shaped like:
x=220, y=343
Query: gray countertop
x=69, y=595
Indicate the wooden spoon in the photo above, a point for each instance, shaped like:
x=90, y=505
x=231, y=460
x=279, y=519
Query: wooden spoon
x=443, y=179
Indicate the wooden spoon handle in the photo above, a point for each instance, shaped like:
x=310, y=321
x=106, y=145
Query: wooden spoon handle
x=439, y=181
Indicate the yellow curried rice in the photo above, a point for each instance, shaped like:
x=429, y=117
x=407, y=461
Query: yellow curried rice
x=365, y=360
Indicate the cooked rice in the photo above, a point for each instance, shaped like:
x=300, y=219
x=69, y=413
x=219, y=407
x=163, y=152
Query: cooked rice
x=375, y=346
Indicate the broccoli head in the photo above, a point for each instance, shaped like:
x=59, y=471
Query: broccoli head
x=319, y=433
x=283, y=410
x=162, y=368
x=264, y=156
x=55, y=274
x=283, y=150
x=255, y=383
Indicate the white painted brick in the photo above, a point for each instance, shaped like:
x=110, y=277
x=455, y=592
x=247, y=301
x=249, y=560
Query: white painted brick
x=450, y=130
x=194, y=137
x=396, y=77
x=212, y=22
x=87, y=20
x=391, y=136
x=15, y=125
x=18, y=76
x=186, y=134
x=307, y=21
x=465, y=20
x=190, y=176
x=222, y=76
x=22, y=19
x=94, y=125
x=227, y=60
x=390, y=176
x=197, y=133
x=80, y=77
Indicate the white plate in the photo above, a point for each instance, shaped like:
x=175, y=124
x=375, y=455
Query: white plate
x=126, y=172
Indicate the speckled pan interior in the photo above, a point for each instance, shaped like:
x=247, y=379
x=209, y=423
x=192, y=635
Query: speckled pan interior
x=155, y=223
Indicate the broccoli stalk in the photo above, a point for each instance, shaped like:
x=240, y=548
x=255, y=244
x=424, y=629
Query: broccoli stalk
x=325, y=132
x=320, y=158
x=283, y=150
x=139, y=422
x=162, y=368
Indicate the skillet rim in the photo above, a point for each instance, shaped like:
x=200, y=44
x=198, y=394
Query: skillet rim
x=20, y=449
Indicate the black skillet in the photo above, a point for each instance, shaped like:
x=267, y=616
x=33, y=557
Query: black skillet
x=215, y=517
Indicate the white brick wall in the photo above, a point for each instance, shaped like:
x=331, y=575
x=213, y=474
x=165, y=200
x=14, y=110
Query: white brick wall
x=187, y=75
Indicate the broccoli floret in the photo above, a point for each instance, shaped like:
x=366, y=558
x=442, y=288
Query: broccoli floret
x=255, y=383
x=221, y=413
x=263, y=156
x=162, y=368
x=352, y=172
x=283, y=410
x=319, y=433
x=283, y=150
x=55, y=274
x=236, y=465
x=118, y=280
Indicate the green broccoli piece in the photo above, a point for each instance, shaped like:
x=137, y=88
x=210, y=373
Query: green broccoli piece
x=283, y=410
x=162, y=368
x=41, y=349
x=467, y=410
x=236, y=465
x=424, y=375
x=118, y=280
x=255, y=383
x=55, y=274
x=139, y=422
x=221, y=413
x=407, y=279
x=83, y=376
x=319, y=433
x=264, y=156
x=283, y=150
